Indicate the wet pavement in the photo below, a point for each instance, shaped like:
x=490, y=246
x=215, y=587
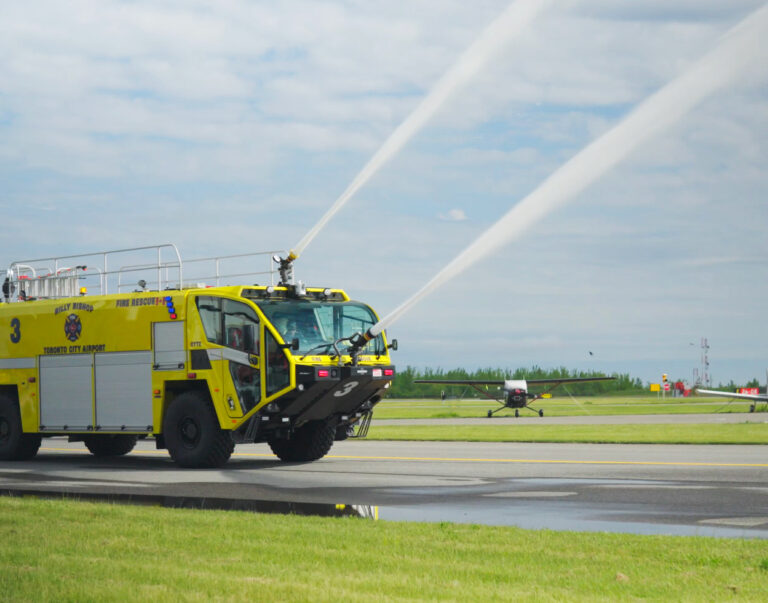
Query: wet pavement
x=643, y=489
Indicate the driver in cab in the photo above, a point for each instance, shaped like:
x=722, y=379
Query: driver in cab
x=289, y=329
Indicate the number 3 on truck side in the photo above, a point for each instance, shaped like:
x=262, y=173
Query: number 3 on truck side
x=16, y=332
x=347, y=388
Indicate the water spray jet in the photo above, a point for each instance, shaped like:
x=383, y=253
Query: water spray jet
x=517, y=16
x=661, y=110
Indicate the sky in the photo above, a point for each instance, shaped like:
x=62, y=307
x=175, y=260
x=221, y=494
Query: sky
x=232, y=127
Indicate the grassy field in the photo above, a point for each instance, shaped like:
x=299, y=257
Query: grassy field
x=558, y=407
x=735, y=433
x=731, y=433
x=76, y=551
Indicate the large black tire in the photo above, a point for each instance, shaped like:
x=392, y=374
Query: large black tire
x=343, y=432
x=15, y=445
x=310, y=442
x=192, y=433
x=110, y=445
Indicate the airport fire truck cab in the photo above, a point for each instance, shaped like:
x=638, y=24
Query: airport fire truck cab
x=197, y=368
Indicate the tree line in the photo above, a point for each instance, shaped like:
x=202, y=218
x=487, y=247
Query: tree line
x=404, y=387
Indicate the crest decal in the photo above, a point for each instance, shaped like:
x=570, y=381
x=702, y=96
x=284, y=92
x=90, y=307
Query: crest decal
x=72, y=327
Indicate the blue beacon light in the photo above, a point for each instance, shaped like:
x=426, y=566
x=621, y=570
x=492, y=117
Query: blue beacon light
x=171, y=309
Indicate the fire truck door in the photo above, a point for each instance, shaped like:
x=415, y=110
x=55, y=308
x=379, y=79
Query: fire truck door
x=278, y=369
x=240, y=330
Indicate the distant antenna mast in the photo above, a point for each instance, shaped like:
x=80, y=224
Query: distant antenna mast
x=705, y=378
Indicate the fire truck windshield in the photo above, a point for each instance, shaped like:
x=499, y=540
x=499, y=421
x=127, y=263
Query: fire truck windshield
x=319, y=324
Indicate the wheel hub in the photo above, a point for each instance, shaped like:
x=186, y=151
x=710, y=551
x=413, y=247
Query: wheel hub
x=189, y=431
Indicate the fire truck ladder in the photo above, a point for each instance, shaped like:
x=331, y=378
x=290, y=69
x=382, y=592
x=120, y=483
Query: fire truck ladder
x=153, y=267
x=72, y=275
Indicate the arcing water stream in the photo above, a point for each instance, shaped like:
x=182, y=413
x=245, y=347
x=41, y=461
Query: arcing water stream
x=658, y=112
x=510, y=23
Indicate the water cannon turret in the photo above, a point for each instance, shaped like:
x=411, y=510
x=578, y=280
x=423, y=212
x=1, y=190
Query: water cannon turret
x=358, y=341
x=285, y=267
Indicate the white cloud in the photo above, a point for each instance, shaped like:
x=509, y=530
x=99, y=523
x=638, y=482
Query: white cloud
x=453, y=215
x=232, y=126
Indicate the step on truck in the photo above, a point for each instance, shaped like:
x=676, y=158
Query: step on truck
x=196, y=367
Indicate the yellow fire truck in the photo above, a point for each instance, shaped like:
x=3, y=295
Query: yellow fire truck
x=198, y=368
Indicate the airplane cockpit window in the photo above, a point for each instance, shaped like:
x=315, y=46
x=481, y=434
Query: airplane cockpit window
x=318, y=325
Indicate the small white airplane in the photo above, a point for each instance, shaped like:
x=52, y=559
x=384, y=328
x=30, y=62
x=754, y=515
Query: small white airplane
x=516, y=393
x=754, y=397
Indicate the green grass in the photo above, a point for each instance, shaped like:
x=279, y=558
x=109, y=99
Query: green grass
x=395, y=408
x=746, y=433
x=730, y=433
x=76, y=551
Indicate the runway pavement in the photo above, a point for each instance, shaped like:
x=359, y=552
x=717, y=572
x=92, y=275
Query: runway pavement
x=529, y=419
x=650, y=489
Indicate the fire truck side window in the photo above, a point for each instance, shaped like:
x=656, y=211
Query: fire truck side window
x=230, y=323
x=278, y=370
x=241, y=326
x=210, y=315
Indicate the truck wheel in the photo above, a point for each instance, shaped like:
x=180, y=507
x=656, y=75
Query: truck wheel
x=15, y=445
x=310, y=442
x=192, y=433
x=343, y=432
x=110, y=445
x=282, y=449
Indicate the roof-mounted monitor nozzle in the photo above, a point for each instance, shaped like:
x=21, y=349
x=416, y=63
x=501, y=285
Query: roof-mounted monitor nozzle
x=285, y=266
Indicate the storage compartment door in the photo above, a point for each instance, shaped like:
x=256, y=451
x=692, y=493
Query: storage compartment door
x=124, y=391
x=169, y=346
x=66, y=392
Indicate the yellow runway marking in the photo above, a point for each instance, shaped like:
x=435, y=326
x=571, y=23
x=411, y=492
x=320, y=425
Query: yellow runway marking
x=557, y=461
x=464, y=460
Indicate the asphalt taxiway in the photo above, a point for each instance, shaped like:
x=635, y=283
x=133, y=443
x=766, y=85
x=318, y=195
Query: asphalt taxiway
x=652, y=489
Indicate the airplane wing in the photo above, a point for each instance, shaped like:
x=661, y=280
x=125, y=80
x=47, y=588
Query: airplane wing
x=566, y=380
x=756, y=397
x=502, y=381
x=459, y=381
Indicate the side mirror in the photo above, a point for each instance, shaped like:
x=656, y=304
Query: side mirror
x=393, y=345
x=293, y=345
